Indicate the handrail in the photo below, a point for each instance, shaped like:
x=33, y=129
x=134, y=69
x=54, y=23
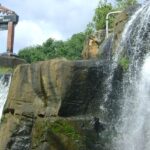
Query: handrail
x=107, y=20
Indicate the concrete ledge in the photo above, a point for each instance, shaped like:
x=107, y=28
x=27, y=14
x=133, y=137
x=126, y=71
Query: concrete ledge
x=10, y=61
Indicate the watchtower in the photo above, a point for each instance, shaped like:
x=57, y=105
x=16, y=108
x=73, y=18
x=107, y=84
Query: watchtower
x=8, y=20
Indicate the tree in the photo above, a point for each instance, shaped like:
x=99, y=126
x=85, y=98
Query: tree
x=70, y=49
x=52, y=48
x=32, y=54
x=100, y=15
x=89, y=29
x=74, y=46
x=125, y=3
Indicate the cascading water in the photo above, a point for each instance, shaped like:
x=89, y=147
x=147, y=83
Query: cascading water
x=4, y=87
x=132, y=128
x=115, y=59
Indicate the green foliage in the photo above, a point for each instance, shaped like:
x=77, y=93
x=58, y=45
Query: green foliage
x=54, y=130
x=32, y=54
x=74, y=46
x=89, y=29
x=123, y=4
x=52, y=48
x=124, y=63
x=59, y=134
x=70, y=49
x=63, y=127
x=103, y=8
x=4, y=70
x=101, y=11
x=99, y=18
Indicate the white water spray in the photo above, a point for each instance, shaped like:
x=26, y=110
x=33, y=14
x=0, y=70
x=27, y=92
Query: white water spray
x=4, y=87
x=119, y=49
x=133, y=130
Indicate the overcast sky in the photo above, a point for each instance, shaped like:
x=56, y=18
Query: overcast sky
x=41, y=19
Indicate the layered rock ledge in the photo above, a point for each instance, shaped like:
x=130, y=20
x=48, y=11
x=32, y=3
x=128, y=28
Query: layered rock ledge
x=46, y=90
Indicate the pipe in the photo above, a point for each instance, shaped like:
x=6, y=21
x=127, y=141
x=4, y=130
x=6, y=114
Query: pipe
x=107, y=20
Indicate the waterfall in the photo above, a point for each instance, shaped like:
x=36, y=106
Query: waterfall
x=108, y=83
x=132, y=127
x=4, y=87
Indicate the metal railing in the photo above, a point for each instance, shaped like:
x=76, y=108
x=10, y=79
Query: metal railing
x=107, y=20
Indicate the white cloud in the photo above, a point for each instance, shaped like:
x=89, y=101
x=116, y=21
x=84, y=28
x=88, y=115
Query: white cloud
x=30, y=33
x=42, y=19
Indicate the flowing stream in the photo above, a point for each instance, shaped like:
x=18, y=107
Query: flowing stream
x=4, y=87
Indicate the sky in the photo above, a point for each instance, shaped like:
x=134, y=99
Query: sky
x=42, y=19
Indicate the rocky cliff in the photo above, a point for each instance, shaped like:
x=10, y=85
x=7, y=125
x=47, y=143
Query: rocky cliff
x=43, y=92
x=50, y=103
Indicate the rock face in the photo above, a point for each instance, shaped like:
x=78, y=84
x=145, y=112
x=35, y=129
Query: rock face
x=119, y=25
x=45, y=89
x=56, y=87
x=91, y=47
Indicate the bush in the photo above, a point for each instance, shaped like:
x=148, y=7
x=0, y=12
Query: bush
x=124, y=63
x=70, y=49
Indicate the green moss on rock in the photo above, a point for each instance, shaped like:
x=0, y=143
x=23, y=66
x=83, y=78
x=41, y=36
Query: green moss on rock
x=124, y=63
x=59, y=134
x=66, y=128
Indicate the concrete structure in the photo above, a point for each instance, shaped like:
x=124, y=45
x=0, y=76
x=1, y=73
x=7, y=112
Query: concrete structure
x=8, y=20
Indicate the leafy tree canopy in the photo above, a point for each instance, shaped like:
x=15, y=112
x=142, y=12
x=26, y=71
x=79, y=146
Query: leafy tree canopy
x=70, y=49
x=32, y=54
x=101, y=11
x=99, y=18
x=123, y=4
